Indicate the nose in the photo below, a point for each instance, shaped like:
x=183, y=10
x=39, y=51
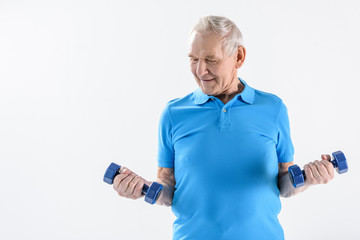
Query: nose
x=201, y=69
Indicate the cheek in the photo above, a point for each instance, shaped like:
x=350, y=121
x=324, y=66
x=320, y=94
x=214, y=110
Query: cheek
x=193, y=69
x=224, y=71
x=214, y=70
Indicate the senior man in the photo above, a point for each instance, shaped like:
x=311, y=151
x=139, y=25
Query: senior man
x=224, y=149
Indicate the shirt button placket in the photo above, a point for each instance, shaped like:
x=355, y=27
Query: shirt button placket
x=225, y=118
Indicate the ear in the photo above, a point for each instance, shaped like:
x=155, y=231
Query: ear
x=240, y=56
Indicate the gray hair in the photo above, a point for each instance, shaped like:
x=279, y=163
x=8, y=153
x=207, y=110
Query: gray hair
x=222, y=26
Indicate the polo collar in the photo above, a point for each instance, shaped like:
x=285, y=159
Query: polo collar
x=247, y=95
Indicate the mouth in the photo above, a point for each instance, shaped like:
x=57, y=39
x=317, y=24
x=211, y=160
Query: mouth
x=207, y=80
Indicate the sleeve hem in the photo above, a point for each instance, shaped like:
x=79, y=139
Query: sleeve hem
x=285, y=159
x=165, y=164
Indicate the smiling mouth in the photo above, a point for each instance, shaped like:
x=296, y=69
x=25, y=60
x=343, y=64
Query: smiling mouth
x=207, y=80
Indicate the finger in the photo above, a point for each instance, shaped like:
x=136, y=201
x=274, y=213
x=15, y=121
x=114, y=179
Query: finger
x=329, y=167
x=124, y=185
x=132, y=184
x=126, y=170
x=309, y=175
x=118, y=179
x=323, y=173
x=315, y=173
x=138, y=188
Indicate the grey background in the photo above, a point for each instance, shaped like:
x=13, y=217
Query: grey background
x=83, y=83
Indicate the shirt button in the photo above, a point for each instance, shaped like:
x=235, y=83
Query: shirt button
x=213, y=99
x=224, y=109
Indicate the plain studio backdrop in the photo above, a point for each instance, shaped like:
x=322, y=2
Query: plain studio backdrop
x=83, y=84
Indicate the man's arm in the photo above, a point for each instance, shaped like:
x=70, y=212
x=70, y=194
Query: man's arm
x=166, y=177
x=317, y=172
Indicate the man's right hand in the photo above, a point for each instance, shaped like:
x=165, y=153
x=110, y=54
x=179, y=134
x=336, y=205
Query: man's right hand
x=128, y=184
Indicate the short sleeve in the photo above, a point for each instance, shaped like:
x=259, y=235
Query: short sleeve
x=284, y=146
x=165, y=148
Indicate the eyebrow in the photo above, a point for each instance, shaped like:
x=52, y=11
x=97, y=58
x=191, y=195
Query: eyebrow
x=210, y=56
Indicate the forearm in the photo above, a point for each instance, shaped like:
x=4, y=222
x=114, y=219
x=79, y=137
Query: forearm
x=166, y=177
x=286, y=188
x=166, y=195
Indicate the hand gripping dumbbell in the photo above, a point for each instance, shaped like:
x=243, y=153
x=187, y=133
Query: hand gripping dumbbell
x=297, y=176
x=151, y=193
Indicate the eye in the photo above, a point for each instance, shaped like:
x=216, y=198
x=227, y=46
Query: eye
x=193, y=60
x=211, y=61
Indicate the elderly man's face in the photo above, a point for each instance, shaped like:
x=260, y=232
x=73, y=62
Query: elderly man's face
x=215, y=72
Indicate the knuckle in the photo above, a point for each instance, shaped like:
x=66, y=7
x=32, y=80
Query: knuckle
x=323, y=167
x=137, y=179
x=325, y=162
x=139, y=188
x=328, y=164
x=306, y=167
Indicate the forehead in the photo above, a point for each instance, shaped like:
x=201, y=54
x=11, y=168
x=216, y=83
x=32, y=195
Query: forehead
x=205, y=44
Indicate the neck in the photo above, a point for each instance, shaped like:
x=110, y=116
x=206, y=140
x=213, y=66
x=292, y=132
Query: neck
x=226, y=97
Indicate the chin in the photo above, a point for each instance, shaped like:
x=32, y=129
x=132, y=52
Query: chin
x=207, y=91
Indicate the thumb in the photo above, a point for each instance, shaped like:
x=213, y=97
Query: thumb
x=325, y=157
x=125, y=170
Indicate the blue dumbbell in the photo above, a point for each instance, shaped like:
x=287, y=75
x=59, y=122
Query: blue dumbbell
x=151, y=193
x=297, y=176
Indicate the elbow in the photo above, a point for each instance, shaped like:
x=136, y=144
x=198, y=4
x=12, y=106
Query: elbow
x=162, y=203
x=285, y=195
x=289, y=192
x=285, y=191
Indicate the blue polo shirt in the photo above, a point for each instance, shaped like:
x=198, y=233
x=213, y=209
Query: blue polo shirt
x=225, y=160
